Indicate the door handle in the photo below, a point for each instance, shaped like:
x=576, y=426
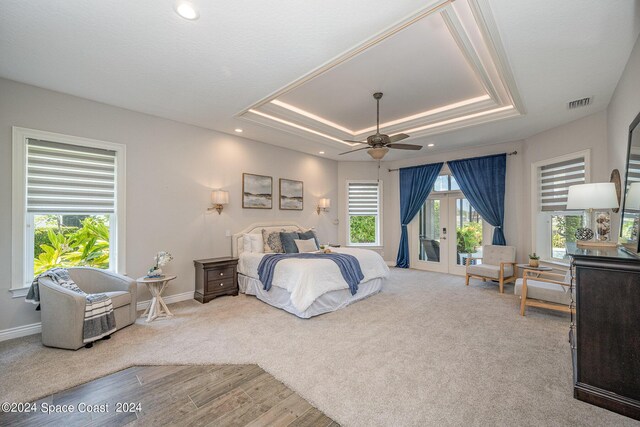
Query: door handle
x=443, y=238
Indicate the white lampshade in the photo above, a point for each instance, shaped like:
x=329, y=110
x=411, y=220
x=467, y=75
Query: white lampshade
x=599, y=195
x=324, y=203
x=219, y=197
x=632, y=200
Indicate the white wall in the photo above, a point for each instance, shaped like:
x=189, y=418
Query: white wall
x=623, y=108
x=587, y=133
x=171, y=169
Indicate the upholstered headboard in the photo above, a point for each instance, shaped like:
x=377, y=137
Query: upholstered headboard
x=237, y=242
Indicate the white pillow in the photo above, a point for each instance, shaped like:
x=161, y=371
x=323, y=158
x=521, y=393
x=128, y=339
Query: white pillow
x=253, y=243
x=306, y=245
x=257, y=245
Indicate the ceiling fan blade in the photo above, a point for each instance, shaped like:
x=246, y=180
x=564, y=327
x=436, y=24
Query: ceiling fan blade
x=398, y=137
x=352, y=141
x=405, y=146
x=353, y=151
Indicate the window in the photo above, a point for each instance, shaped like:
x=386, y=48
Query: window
x=445, y=183
x=555, y=226
x=68, y=204
x=363, y=207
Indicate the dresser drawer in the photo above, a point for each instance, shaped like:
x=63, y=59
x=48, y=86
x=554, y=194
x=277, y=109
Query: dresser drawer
x=217, y=274
x=221, y=285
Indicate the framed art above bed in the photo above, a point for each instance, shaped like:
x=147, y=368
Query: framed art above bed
x=291, y=195
x=257, y=191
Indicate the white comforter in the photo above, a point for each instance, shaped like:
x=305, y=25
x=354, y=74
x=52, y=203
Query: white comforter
x=308, y=279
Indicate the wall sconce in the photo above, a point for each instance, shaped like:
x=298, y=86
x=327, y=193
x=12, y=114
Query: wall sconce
x=219, y=198
x=323, y=205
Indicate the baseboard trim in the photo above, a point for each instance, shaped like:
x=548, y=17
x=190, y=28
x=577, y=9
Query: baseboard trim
x=20, y=331
x=184, y=296
x=36, y=328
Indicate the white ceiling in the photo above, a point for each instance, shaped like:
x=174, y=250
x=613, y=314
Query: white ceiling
x=140, y=55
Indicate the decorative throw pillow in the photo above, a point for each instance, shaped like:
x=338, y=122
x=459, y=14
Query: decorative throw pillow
x=308, y=245
x=253, y=243
x=272, y=242
x=310, y=234
x=288, y=243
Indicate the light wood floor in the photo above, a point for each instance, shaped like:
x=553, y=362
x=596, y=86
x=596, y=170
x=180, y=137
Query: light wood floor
x=209, y=395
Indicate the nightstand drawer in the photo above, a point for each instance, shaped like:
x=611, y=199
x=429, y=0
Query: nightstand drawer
x=221, y=285
x=217, y=274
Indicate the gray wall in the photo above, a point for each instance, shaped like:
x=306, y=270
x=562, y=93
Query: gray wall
x=171, y=169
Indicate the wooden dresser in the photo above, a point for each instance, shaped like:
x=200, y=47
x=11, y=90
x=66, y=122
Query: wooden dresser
x=606, y=338
x=216, y=277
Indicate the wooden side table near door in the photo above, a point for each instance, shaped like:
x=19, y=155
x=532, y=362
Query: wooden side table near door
x=157, y=306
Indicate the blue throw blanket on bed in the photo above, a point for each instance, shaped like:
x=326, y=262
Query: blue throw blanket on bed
x=348, y=265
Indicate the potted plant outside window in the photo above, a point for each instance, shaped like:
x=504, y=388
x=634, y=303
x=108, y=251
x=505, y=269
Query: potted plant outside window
x=468, y=239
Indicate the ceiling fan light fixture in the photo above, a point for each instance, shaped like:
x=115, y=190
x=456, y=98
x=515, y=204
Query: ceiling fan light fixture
x=378, y=153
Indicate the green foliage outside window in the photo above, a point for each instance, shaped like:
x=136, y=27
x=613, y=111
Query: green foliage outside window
x=56, y=245
x=563, y=229
x=362, y=229
x=469, y=237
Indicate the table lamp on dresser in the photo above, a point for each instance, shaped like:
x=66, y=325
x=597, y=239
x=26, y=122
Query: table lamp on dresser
x=597, y=199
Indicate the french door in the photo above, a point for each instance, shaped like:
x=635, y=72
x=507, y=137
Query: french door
x=446, y=231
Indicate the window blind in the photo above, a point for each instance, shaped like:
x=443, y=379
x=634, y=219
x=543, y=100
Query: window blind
x=363, y=198
x=555, y=180
x=634, y=167
x=65, y=178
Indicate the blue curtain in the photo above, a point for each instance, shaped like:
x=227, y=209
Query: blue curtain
x=415, y=185
x=482, y=182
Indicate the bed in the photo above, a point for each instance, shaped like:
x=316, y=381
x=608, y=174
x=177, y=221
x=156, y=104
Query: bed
x=306, y=287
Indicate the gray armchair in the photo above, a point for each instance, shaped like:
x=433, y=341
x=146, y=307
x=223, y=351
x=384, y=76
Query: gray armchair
x=62, y=310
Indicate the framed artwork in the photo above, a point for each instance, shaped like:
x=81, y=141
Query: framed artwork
x=291, y=195
x=257, y=191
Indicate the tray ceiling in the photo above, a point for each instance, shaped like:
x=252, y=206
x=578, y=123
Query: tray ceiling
x=439, y=70
x=308, y=69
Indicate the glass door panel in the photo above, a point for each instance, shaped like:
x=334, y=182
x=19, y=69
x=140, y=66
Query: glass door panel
x=468, y=233
x=446, y=232
x=428, y=236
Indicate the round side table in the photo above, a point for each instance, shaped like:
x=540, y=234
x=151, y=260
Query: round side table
x=156, y=286
x=539, y=268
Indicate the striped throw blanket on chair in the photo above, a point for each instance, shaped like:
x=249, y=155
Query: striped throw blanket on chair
x=99, y=320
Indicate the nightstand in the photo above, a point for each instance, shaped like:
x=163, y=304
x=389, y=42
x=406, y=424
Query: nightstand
x=216, y=277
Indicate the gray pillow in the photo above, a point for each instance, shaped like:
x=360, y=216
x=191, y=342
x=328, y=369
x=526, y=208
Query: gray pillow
x=288, y=243
x=310, y=234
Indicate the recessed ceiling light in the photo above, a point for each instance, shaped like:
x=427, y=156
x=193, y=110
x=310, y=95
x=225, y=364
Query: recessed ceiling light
x=187, y=11
x=430, y=145
x=320, y=152
x=238, y=130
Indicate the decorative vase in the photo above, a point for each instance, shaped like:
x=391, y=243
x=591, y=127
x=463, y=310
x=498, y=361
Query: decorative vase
x=534, y=262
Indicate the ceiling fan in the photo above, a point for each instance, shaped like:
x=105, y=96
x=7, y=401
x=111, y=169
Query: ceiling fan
x=379, y=143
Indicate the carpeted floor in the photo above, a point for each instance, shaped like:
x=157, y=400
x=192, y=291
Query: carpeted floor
x=425, y=351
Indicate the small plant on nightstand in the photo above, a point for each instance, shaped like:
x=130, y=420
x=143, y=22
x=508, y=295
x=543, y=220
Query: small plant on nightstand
x=534, y=260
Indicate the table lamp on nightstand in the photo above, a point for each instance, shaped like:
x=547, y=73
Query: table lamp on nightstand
x=597, y=199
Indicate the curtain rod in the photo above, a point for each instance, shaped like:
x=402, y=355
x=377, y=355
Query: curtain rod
x=513, y=153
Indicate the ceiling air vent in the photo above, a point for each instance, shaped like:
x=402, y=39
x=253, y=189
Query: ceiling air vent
x=578, y=103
